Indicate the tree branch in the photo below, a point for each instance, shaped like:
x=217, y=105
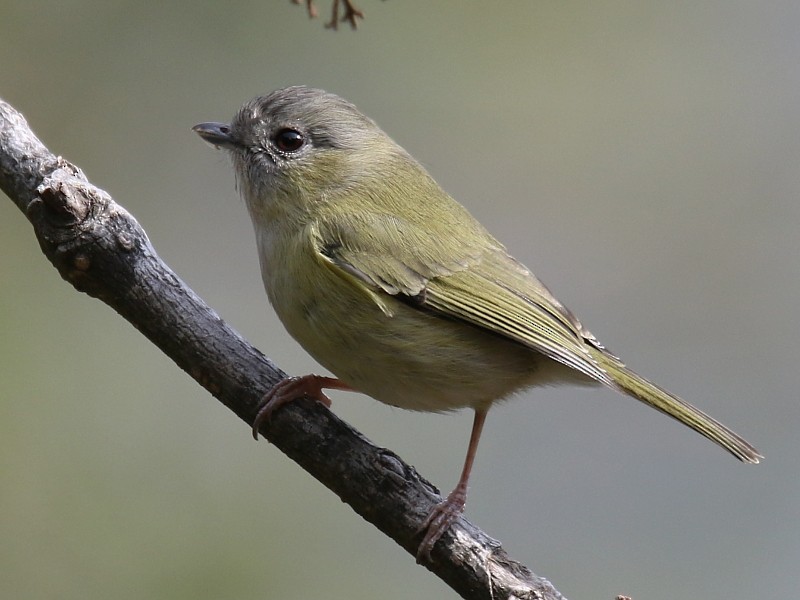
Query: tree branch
x=351, y=13
x=98, y=247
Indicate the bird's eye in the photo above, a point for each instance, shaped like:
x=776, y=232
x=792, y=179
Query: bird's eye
x=289, y=140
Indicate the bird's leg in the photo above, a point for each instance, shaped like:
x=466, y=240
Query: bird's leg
x=449, y=509
x=292, y=388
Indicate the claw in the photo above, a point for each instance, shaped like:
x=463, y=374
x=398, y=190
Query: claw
x=292, y=388
x=439, y=520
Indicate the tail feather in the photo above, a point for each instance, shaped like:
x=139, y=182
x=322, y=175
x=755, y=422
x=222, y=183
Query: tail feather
x=649, y=393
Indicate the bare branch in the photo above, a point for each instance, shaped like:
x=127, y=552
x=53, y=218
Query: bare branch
x=312, y=10
x=351, y=13
x=98, y=247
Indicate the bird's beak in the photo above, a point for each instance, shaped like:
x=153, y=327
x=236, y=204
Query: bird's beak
x=217, y=134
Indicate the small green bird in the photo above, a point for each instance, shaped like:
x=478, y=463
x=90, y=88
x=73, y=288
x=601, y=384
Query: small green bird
x=392, y=285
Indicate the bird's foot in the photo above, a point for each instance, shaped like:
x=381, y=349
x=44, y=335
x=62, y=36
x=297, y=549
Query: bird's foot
x=292, y=388
x=439, y=520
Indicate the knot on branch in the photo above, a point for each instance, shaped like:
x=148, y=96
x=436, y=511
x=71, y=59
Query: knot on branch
x=64, y=199
x=81, y=230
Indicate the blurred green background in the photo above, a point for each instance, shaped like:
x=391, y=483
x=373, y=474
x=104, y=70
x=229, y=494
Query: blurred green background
x=643, y=158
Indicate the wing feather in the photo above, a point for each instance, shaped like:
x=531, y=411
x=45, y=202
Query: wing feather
x=479, y=284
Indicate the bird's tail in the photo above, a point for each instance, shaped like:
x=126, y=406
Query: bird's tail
x=649, y=393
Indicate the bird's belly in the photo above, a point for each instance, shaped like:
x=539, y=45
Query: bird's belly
x=411, y=358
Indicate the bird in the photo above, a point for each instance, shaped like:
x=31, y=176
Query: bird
x=396, y=289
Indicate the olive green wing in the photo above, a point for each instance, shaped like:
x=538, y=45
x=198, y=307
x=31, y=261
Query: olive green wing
x=476, y=282
x=501, y=295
